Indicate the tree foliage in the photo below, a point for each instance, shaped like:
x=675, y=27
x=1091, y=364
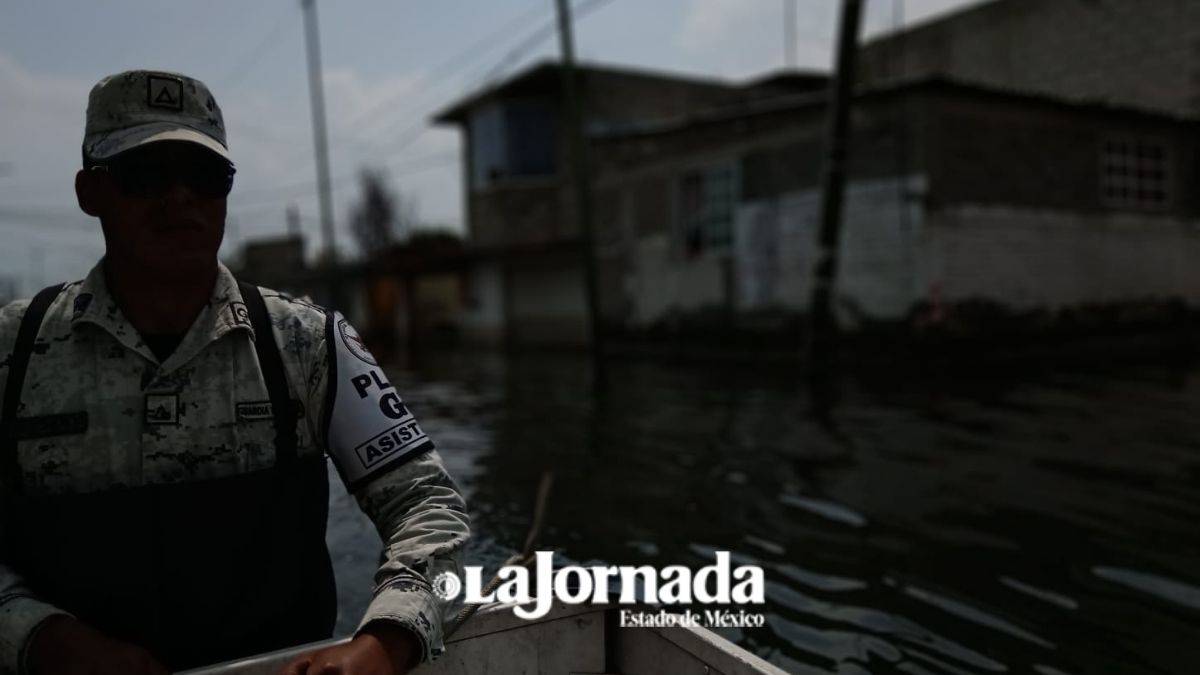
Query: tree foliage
x=382, y=216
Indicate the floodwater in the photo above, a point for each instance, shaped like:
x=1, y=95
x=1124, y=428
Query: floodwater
x=1044, y=524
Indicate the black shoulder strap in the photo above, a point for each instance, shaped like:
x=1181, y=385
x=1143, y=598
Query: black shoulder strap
x=18, y=364
x=272, y=371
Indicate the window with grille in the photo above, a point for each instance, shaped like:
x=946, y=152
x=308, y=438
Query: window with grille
x=706, y=203
x=1135, y=174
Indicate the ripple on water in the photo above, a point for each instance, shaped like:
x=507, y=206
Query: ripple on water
x=913, y=635
x=1040, y=593
x=940, y=665
x=821, y=582
x=826, y=509
x=1176, y=592
x=1043, y=669
x=974, y=615
x=764, y=544
x=992, y=501
x=646, y=548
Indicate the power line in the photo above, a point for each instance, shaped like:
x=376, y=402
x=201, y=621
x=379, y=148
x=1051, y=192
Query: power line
x=419, y=164
x=532, y=40
x=451, y=64
x=236, y=75
x=39, y=231
x=436, y=162
x=410, y=135
x=537, y=37
x=414, y=132
x=46, y=214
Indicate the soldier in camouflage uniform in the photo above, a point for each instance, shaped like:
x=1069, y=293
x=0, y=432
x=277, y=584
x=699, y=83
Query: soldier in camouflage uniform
x=165, y=429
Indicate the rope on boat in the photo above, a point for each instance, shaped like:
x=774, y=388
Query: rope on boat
x=523, y=559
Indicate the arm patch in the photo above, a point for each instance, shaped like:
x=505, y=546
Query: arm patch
x=368, y=428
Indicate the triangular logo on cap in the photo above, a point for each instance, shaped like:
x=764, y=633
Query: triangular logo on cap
x=164, y=92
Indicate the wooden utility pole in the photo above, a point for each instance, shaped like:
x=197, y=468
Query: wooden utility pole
x=823, y=339
x=581, y=177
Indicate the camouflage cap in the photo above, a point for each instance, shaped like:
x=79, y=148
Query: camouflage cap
x=137, y=107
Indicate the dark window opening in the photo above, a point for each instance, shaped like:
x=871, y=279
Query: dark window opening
x=706, y=203
x=512, y=139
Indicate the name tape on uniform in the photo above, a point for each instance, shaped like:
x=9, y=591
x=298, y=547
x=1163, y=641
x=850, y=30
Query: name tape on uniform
x=261, y=410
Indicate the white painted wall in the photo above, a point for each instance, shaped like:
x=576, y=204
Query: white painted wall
x=774, y=243
x=664, y=282
x=775, y=250
x=482, y=320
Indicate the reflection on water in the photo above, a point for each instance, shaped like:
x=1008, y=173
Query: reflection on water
x=985, y=526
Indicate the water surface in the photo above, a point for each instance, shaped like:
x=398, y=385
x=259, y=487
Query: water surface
x=1044, y=523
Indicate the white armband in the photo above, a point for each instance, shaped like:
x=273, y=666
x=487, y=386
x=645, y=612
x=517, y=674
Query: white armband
x=368, y=427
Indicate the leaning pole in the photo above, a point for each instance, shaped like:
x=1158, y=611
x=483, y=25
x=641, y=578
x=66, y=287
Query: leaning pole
x=822, y=345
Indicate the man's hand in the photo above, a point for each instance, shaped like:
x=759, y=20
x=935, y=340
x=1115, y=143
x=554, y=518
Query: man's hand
x=67, y=646
x=380, y=649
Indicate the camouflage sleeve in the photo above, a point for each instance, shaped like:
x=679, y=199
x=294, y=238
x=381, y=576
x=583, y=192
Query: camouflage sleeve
x=423, y=523
x=21, y=612
x=400, y=483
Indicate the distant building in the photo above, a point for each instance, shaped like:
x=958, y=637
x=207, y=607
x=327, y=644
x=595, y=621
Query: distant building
x=411, y=291
x=1037, y=183
x=521, y=223
x=279, y=263
x=417, y=291
x=275, y=262
x=956, y=193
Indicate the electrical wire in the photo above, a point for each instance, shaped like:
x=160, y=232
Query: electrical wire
x=536, y=38
x=531, y=41
x=438, y=74
x=47, y=214
x=420, y=164
x=413, y=132
x=238, y=74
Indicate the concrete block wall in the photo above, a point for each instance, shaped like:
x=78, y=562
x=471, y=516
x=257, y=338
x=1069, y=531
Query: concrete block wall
x=984, y=148
x=1137, y=53
x=1040, y=258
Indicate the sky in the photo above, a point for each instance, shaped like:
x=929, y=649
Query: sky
x=388, y=66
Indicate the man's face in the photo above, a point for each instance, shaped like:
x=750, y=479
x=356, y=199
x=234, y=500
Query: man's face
x=163, y=208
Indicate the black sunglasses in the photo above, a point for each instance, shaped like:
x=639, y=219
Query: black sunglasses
x=147, y=178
